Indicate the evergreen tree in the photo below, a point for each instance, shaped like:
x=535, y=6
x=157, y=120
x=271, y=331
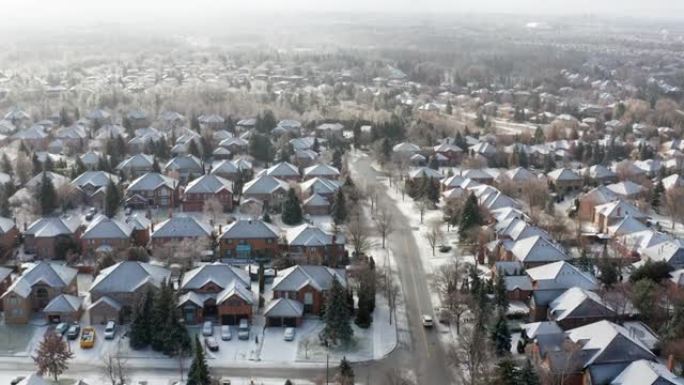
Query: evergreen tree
x=658, y=192
x=337, y=159
x=46, y=195
x=7, y=165
x=501, y=337
x=470, y=216
x=292, y=211
x=539, y=137
x=507, y=373
x=339, y=209
x=345, y=373
x=260, y=147
x=584, y=263
x=449, y=108
x=266, y=217
x=528, y=376
x=500, y=295
x=366, y=302
x=199, y=370
x=141, y=327
x=337, y=316
x=112, y=199
x=155, y=166
x=434, y=163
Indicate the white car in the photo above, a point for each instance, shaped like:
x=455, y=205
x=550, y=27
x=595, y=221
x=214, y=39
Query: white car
x=110, y=330
x=226, y=335
x=427, y=321
x=289, y=334
x=243, y=329
x=208, y=329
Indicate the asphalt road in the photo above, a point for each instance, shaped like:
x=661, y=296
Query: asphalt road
x=425, y=355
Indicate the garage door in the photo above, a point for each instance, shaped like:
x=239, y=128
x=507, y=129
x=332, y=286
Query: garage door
x=232, y=319
x=275, y=321
x=290, y=322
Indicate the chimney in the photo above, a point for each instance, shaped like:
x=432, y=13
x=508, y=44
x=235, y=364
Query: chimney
x=152, y=227
x=670, y=362
x=220, y=229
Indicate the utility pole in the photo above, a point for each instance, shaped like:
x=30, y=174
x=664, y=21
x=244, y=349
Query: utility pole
x=327, y=367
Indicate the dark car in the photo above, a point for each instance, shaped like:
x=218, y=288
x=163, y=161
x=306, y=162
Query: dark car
x=73, y=332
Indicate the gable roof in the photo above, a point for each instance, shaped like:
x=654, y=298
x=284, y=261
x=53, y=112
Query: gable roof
x=63, y=303
x=645, y=372
x=322, y=170
x=128, y=276
x=579, y=303
x=282, y=170
x=284, y=308
x=152, y=181
x=563, y=174
x=561, y=275
x=47, y=273
x=137, y=161
x=626, y=188
x=619, y=209
x=606, y=342
x=48, y=227
x=321, y=185
x=103, y=227
x=95, y=178
x=208, y=184
x=627, y=225
x=299, y=276
x=221, y=274
x=250, y=229
x=181, y=226
x=264, y=184
x=309, y=235
x=538, y=249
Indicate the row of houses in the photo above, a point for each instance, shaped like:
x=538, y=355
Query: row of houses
x=215, y=291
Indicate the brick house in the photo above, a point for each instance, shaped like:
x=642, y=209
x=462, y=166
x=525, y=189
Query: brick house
x=9, y=235
x=247, y=238
x=140, y=225
x=316, y=205
x=218, y=292
x=309, y=244
x=123, y=284
x=92, y=185
x=5, y=281
x=106, y=234
x=283, y=171
x=63, y=308
x=308, y=285
x=184, y=167
x=152, y=189
x=44, y=235
x=267, y=189
x=137, y=165
x=565, y=180
x=34, y=290
x=179, y=228
x=206, y=187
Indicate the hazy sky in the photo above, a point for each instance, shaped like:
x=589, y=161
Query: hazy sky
x=26, y=11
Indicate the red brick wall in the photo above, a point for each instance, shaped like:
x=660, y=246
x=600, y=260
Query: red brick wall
x=258, y=245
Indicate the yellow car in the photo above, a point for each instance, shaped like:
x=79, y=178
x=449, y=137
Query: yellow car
x=88, y=338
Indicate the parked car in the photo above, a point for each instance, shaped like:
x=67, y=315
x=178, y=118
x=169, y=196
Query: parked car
x=243, y=329
x=74, y=331
x=289, y=334
x=443, y=315
x=427, y=321
x=208, y=329
x=211, y=344
x=61, y=328
x=226, y=335
x=110, y=330
x=88, y=338
x=91, y=213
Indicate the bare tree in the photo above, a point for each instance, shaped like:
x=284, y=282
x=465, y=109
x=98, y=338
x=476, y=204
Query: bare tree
x=212, y=208
x=423, y=205
x=535, y=194
x=448, y=284
x=674, y=204
x=472, y=356
x=358, y=233
x=384, y=223
x=115, y=367
x=434, y=235
x=371, y=190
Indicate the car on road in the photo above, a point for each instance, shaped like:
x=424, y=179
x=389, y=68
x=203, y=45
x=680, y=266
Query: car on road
x=88, y=338
x=289, y=334
x=208, y=329
x=61, y=328
x=110, y=330
x=211, y=344
x=243, y=329
x=16, y=380
x=427, y=321
x=226, y=335
x=74, y=331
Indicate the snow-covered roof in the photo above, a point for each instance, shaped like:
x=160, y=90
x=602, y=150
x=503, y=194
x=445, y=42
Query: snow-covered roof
x=619, y=209
x=579, y=303
x=34, y=379
x=128, y=276
x=406, y=147
x=319, y=277
x=95, y=178
x=48, y=227
x=606, y=342
x=63, y=303
x=181, y=226
x=316, y=200
x=626, y=188
x=208, y=184
x=561, y=275
x=47, y=273
x=185, y=163
x=138, y=161
x=6, y=225
x=322, y=186
x=310, y=236
x=250, y=229
x=265, y=184
x=425, y=172
x=102, y=227
x=321, y=170
x=152, y=181
x=563, y=174
x=282, y=170
x=284, y=308
x=538, y=249
x=535, y=329
x=220, y=274
x=645, y=372
x=627, y=225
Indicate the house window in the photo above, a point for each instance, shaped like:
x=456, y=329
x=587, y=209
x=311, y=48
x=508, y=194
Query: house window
x=41, y=293
x=17, y=312
x=308, y=298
